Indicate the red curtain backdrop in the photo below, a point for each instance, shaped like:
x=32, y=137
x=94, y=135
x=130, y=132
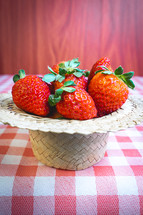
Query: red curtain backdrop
x=37, y=33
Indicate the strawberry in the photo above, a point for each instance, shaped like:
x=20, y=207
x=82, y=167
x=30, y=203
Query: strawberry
x=56, y=67
x=110, y=90
x=77, y=105
x=73, y=102
x=104, y=61
x=65, y=71
x=30, y=93
x=80, y=82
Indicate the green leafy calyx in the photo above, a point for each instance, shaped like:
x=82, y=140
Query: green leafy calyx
x=55, y=98
x=20, y=75
x=125, y=77
x=49, y=78
x=71, y=68
x=67, y=67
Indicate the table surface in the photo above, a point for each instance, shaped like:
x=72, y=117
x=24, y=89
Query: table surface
x=112, y=186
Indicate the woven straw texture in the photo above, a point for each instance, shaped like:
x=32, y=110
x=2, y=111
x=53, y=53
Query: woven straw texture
x=130, y=114
x=70, y=144
x=68, y=151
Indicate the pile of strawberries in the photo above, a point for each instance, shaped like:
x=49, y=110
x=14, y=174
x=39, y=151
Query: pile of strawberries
x=76, y=93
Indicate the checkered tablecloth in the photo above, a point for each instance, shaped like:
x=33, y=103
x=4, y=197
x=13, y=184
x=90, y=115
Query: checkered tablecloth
x=113, y=186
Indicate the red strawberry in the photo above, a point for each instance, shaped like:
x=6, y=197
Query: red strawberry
x=31, y=94
x=56, y=67
x=66, y=71
x=109, y=90
x=101, y=62
x=77, y=105
x=80, y=82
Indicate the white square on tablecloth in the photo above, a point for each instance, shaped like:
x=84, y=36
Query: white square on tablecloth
x=118, y=161
x=126, y=185
x=6, y=185
x=138, y=145
x=11, y=159
x=18, y=143
x=44, y=186
x=22, y=131
x=133, y=132
x=85, y=185
x=2, y=129
x=113, y=145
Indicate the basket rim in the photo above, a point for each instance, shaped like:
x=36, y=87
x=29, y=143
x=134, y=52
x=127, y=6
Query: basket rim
x=129, y=115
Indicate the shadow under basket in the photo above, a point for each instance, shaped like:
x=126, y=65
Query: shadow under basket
x=68, y=151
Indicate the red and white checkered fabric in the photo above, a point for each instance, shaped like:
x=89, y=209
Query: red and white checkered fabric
x=113, y=186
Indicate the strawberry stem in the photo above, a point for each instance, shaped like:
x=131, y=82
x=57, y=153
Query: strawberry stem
x=69, y=67
x=20, y=75
x=55, y=98
x=126, y=77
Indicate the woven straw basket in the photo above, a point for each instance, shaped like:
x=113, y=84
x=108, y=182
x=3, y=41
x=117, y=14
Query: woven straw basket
x=70, y=144
x=68, y=151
